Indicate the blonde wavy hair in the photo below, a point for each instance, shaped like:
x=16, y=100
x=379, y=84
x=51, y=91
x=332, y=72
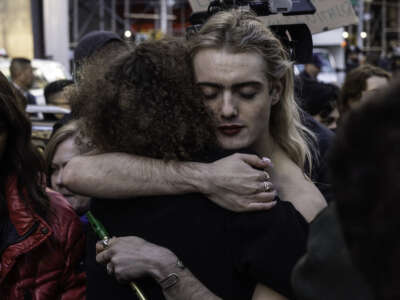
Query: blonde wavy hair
x=242, y=32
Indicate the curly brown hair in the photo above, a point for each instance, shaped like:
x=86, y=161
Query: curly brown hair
x=146, y=103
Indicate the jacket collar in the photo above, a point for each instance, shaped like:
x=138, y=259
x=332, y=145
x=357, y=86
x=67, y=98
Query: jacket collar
x=20, y=215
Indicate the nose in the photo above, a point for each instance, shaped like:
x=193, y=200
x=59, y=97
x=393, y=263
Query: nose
x=229, y=109
x=57, y=179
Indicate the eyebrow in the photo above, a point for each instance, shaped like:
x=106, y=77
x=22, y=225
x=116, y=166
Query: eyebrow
x=235, y=86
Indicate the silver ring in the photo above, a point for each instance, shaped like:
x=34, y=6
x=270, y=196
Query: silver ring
x=267, y=177
x=105, y=242
x=267, y=186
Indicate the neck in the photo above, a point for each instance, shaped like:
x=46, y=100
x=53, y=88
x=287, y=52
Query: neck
x=266, y=146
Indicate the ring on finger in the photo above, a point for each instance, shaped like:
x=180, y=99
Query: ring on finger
x=267, y=186
x=266, y=176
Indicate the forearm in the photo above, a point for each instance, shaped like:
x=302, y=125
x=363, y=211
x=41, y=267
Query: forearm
x=120, y=175
x=189, y=288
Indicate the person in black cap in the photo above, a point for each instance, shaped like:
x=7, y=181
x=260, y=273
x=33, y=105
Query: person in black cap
x=99, y=46
x=315, y=97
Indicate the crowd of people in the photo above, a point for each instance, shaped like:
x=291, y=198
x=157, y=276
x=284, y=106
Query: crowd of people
x=212, y=168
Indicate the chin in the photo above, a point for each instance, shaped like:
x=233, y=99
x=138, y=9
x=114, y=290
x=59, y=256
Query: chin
x=234, y=145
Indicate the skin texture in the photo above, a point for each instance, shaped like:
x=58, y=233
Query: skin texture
x=65, y=151
x=238, y=94
x=240, y=98
x=25, y=78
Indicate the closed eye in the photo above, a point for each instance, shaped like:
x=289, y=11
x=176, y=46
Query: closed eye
x=209, y=92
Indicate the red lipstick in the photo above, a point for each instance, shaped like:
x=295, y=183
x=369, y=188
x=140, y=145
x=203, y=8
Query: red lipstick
x=230, y=130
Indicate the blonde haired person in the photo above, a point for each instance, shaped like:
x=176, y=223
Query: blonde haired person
x=63, y=145
x=247, y=81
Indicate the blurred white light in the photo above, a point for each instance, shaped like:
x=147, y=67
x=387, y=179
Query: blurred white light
x=363, y=35
x=345, y=35
x=127, y=34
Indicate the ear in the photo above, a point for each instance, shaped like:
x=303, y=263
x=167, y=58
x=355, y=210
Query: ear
x=276, y=92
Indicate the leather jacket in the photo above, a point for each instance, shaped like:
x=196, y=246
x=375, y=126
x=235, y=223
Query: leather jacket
x=40, y=259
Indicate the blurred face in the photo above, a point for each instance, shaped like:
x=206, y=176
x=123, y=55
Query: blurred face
x=239, y=96
x=312, y=70
x=28, y=77
x=374, y=83
x=59, y=99
x=331, y=120
x=64, y=153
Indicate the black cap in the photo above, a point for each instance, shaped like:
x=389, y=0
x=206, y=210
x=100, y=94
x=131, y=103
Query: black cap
x=92, y=42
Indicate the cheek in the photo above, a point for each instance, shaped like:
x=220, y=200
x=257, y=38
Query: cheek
x=53, y=179
x=212, y=107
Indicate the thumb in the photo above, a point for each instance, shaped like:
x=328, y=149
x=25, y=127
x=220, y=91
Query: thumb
x=255, y=161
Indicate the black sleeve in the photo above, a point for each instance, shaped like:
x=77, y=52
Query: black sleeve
x=266, y=245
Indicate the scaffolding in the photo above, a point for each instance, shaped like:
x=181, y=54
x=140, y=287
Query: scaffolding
x=380, y=22
x=120, y=15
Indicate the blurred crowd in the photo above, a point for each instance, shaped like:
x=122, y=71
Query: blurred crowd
x=201, y=169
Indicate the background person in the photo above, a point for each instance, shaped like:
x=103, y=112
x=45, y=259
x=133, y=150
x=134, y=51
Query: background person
x=22, y=77
x=62, y=146
x=41, y=239
x=358, y=83
x=364, y=221
x=315, y=97
x=54, y=93
x=97, y=46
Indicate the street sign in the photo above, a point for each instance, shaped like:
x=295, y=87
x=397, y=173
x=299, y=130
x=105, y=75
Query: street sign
x=330, y=15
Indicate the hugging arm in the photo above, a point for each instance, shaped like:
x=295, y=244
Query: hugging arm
x=235, y=182
x=129, y=258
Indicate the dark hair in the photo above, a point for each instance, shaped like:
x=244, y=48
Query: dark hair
x=365, y=167
x=18, y=64
x=146, y=103
x=20, y=158
x=356, y=82
x=55, y=87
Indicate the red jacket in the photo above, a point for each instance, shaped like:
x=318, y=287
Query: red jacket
x=43, y=264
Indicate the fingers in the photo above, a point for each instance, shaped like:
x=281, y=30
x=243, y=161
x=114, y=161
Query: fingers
x=255, y=161
x=259, y=201
x=104, y=256
x=261, y=206
x=110, y=268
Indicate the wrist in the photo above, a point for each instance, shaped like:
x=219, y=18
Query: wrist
x=194, y=175
x=165, y=266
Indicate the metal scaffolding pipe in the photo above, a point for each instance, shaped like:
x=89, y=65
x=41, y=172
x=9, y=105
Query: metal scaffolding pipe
x=126, y=14
x=163, y=16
